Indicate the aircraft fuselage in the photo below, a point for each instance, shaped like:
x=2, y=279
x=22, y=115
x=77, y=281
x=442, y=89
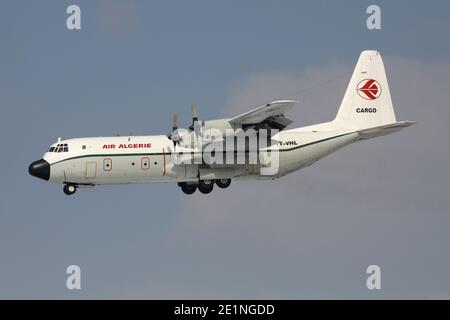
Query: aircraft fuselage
x=140, y=159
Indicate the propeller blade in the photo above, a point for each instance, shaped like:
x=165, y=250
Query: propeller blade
x=174, y=121
x=194, y=113
x=174, y=135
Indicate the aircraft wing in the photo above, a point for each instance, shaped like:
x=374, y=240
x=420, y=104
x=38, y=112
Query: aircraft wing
x=269, y=116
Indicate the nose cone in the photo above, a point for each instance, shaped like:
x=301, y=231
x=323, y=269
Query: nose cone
x=40, y=169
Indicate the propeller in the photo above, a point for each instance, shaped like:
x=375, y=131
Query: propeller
x=196, y=124
x=174, y=135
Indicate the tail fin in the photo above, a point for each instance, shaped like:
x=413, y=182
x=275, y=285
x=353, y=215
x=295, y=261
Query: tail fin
x=367, y=102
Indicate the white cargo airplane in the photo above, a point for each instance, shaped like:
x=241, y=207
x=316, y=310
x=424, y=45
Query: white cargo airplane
x=366, y=112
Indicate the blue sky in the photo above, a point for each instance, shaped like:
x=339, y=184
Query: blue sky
x=134, y=63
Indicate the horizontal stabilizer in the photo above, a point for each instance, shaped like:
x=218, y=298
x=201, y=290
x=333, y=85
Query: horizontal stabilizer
x=383, y=130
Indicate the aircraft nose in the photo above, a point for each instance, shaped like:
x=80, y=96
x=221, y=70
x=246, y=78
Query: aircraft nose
x=40, y=169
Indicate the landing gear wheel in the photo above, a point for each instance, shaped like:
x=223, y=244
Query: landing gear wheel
x=188, y=188
x=223, y=183
x=205, y=186
x=69, y=189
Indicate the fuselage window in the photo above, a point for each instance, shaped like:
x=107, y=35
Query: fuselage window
x=107, y=164
x=145, y=163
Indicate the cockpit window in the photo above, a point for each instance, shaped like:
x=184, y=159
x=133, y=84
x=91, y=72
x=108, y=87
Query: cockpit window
x=63, y=147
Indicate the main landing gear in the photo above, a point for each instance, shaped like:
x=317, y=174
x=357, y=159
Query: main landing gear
x=188, y=188
x=223, y=183
x=69, y=189
x=204, y=186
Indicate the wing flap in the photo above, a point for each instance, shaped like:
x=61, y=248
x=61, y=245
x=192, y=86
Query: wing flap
x=278, y=122
x=270, y=113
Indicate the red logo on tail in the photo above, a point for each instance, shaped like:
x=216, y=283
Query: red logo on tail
x=369, y=89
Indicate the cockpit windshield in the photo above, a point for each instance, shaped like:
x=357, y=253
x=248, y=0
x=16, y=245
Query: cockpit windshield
x=63, y=147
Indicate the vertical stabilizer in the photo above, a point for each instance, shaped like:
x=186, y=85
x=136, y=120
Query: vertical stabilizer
x=367, y=102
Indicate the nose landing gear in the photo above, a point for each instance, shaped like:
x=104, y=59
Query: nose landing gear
x=69, y=189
